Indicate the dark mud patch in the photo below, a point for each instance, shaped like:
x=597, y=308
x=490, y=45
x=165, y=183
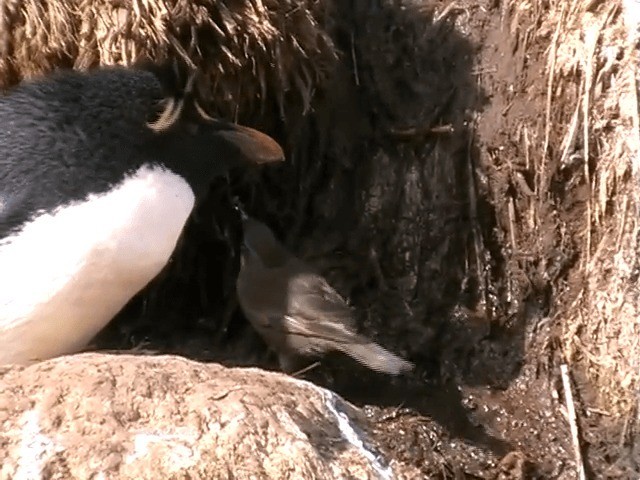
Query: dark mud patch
x=413, y=186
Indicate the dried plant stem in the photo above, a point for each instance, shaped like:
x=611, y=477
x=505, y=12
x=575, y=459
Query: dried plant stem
x=573, y=425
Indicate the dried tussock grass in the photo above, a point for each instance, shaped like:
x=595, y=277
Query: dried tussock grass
x=592, y=126
x=247, y=50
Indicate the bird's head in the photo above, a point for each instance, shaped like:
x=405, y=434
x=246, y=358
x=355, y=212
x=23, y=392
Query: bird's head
x=260, y=244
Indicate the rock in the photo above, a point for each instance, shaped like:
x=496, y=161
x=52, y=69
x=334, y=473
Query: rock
x=97, y=416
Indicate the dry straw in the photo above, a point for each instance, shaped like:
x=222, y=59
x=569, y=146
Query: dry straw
x=248, y=50
x=591, y=125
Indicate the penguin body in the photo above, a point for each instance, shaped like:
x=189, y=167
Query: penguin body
x=93, y=199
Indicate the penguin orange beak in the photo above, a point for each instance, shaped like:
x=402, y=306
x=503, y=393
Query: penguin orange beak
x=257, y=146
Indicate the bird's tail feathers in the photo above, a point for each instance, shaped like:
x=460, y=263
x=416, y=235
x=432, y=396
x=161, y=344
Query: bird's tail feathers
x=377, y=358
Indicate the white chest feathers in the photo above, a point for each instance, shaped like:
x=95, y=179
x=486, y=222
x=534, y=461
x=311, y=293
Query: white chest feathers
x=66, y=274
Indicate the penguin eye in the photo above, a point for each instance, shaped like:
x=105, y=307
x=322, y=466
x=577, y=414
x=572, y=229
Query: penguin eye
x=192, y=128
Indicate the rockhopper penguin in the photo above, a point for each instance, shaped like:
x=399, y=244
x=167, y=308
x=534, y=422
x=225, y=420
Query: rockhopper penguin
x=99, y=172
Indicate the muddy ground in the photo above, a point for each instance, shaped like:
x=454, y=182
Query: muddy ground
x=402, y=186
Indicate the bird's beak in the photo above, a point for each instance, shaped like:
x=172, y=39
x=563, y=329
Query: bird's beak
x=256, y=146
x=238, y=207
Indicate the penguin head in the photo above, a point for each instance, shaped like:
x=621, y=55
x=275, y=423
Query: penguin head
x=202, y=148
x=188, y=139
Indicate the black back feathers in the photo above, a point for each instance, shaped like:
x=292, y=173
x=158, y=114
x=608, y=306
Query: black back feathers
x=71, y=134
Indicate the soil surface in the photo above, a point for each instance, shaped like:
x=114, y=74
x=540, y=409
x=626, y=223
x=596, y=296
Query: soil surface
x=404, y=186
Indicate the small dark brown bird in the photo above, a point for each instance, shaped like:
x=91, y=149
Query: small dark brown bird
x=296, y=311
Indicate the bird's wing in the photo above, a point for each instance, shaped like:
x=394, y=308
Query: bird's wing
x=315, y=309
x=296, y=302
